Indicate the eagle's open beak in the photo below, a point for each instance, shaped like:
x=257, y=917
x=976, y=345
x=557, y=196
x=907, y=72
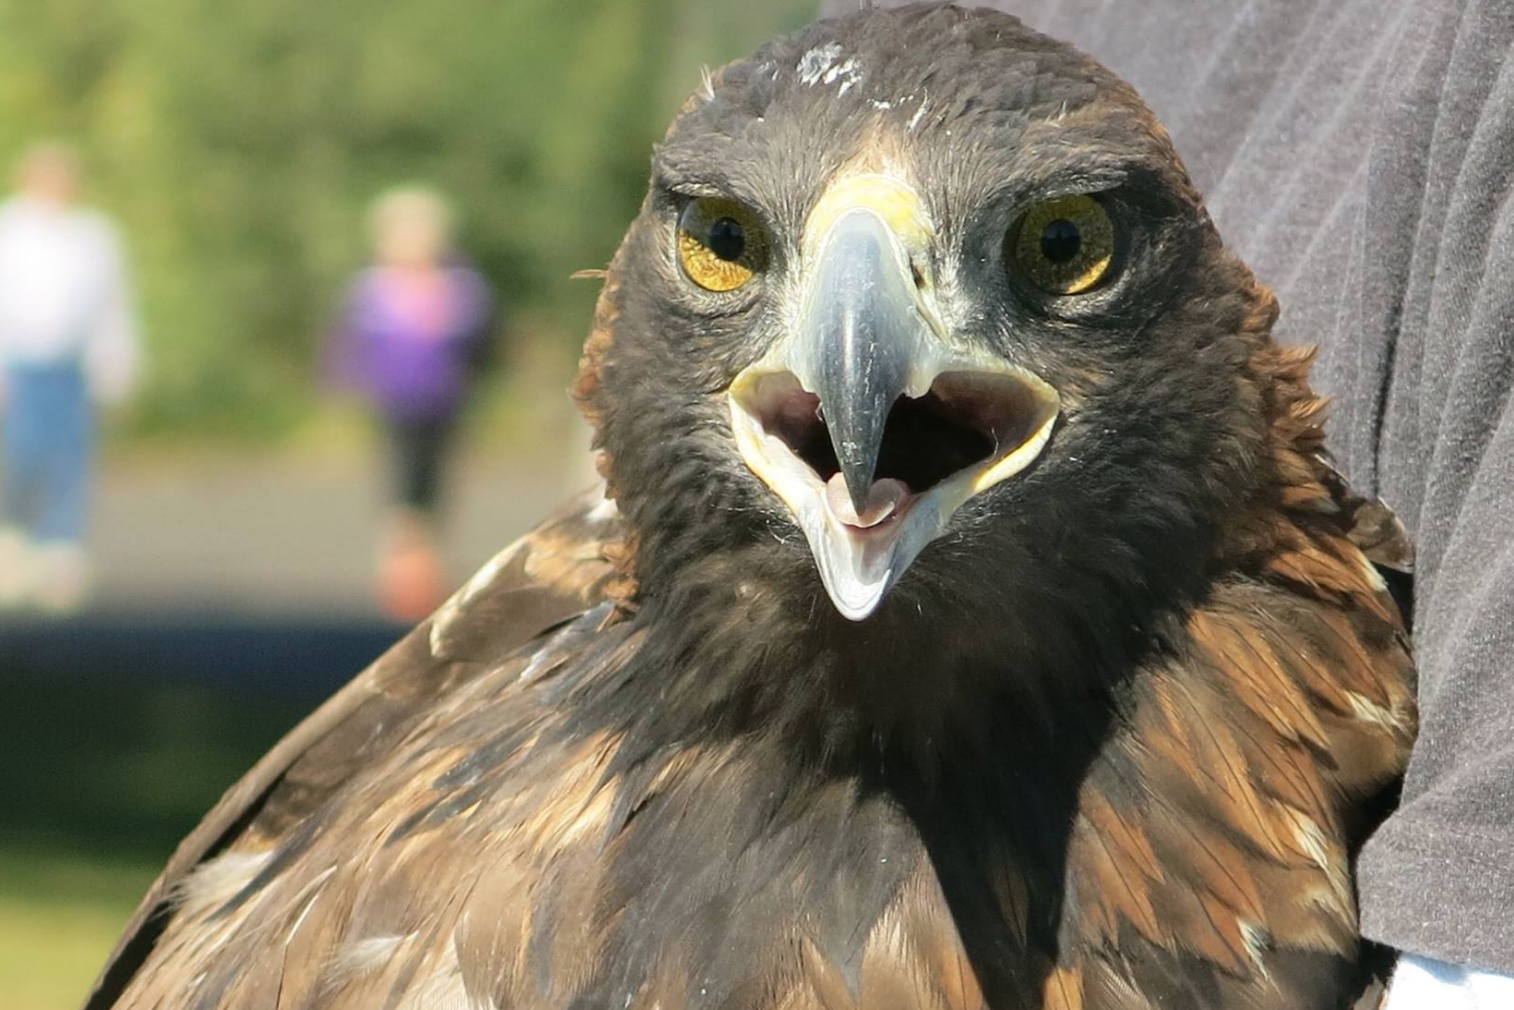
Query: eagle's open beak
x=868, y=420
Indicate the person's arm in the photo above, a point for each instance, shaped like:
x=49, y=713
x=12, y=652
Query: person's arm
x=342, y=365
x=7, y=282
x=482, y=314
x=1437, y=881
x=113, y=354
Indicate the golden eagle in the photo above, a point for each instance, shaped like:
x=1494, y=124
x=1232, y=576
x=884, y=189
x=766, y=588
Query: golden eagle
x=972, y=619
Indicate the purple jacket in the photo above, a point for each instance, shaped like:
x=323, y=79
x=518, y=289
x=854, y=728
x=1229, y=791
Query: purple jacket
x=410, y=347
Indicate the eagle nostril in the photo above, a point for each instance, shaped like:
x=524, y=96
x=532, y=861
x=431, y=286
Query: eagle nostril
x=917, y=274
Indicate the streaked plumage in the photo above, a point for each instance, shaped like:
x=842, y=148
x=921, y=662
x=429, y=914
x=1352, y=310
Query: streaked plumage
x=1110, y=742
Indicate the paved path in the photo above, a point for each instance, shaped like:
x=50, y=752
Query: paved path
x=252, y=568
x=290, y=537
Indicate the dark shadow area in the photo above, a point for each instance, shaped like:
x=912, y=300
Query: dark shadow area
x=118, y=735
x=118, y=731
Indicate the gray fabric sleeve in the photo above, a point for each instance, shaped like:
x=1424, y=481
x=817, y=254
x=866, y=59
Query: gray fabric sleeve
x=1439, y=877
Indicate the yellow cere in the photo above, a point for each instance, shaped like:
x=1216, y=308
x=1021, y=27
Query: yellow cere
x=721, y=244
x=1063, y=246
x=891, y=198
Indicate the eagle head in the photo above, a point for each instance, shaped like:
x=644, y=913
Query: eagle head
x=921, y=312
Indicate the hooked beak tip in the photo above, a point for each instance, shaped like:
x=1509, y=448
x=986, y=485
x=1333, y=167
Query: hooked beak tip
x=859, y=483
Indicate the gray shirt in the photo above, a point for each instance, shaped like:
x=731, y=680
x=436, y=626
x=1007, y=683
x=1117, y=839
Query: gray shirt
x=1359, y=155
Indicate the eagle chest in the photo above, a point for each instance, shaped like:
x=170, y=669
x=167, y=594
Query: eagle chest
x=733, y=895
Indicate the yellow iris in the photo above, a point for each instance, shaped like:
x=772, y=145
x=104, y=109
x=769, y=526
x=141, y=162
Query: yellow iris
x=1063, y=246
x=721, y=244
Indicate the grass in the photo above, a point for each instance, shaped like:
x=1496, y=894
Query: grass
x=98, y=782
x=60, y=916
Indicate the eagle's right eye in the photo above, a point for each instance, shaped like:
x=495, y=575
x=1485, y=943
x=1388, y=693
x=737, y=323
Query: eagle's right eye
x=721, y=244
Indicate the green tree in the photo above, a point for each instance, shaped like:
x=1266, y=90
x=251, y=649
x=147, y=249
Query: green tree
x=238, y=143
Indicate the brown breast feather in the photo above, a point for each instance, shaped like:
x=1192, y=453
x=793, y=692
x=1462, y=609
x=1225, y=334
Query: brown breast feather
x=1218, y=827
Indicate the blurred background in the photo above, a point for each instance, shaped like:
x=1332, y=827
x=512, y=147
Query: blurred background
x=258, y=500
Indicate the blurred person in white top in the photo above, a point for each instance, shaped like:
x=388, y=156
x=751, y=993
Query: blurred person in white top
x=68, y=344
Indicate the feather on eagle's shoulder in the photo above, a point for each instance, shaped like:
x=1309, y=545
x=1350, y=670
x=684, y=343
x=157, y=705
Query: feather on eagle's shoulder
x=1219, y=826
x=553, y=575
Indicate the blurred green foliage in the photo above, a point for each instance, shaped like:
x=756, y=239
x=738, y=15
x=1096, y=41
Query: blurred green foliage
x=237, y=142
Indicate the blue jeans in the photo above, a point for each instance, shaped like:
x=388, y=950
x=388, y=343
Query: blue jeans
x=47, y=439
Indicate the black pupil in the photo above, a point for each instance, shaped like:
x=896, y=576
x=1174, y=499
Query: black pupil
x=727, y=240
x=1060, y=241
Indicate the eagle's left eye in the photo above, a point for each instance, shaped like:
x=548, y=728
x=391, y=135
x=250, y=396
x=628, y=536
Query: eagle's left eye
x=721, y=244
x=1064, y=246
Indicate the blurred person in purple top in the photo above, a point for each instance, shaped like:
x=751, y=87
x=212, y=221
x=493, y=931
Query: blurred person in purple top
x=410, y=337
x=68, y=345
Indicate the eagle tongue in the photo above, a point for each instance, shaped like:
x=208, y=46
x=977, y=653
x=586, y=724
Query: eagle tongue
x=883, y=500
